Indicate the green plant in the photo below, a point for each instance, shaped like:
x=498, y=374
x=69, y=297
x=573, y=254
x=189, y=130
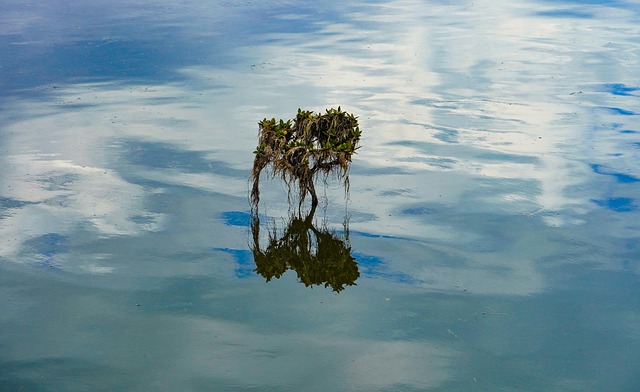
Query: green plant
x=299, y=151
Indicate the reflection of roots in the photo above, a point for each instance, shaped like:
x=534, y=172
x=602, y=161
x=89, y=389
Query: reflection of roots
x=318, y=256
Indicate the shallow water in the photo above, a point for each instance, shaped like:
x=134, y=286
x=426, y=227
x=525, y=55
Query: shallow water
x=492, y=213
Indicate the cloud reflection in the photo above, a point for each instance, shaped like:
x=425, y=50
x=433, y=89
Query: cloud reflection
x=70, y=167
x=57, y=195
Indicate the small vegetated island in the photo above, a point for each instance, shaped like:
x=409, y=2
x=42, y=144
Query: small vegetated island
x=300, y=151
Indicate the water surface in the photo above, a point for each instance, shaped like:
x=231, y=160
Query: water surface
x=492, y=214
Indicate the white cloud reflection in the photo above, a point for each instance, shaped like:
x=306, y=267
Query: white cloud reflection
x=60, y=168
x=56, y=195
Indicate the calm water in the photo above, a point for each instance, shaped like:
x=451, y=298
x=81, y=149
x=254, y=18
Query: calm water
x=493, y=212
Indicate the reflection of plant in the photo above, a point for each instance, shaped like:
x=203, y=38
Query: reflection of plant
x=318, y=256
x=314, y=143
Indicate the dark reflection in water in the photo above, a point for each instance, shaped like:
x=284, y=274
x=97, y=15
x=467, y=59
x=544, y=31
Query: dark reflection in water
x=320, y=256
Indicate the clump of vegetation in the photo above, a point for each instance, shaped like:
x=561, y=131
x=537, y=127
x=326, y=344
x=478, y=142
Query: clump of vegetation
x=299, y=151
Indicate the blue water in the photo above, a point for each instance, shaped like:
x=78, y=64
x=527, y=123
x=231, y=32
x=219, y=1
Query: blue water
x=492, y=214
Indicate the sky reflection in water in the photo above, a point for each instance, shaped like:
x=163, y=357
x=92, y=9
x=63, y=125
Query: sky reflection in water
x=493, y=206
